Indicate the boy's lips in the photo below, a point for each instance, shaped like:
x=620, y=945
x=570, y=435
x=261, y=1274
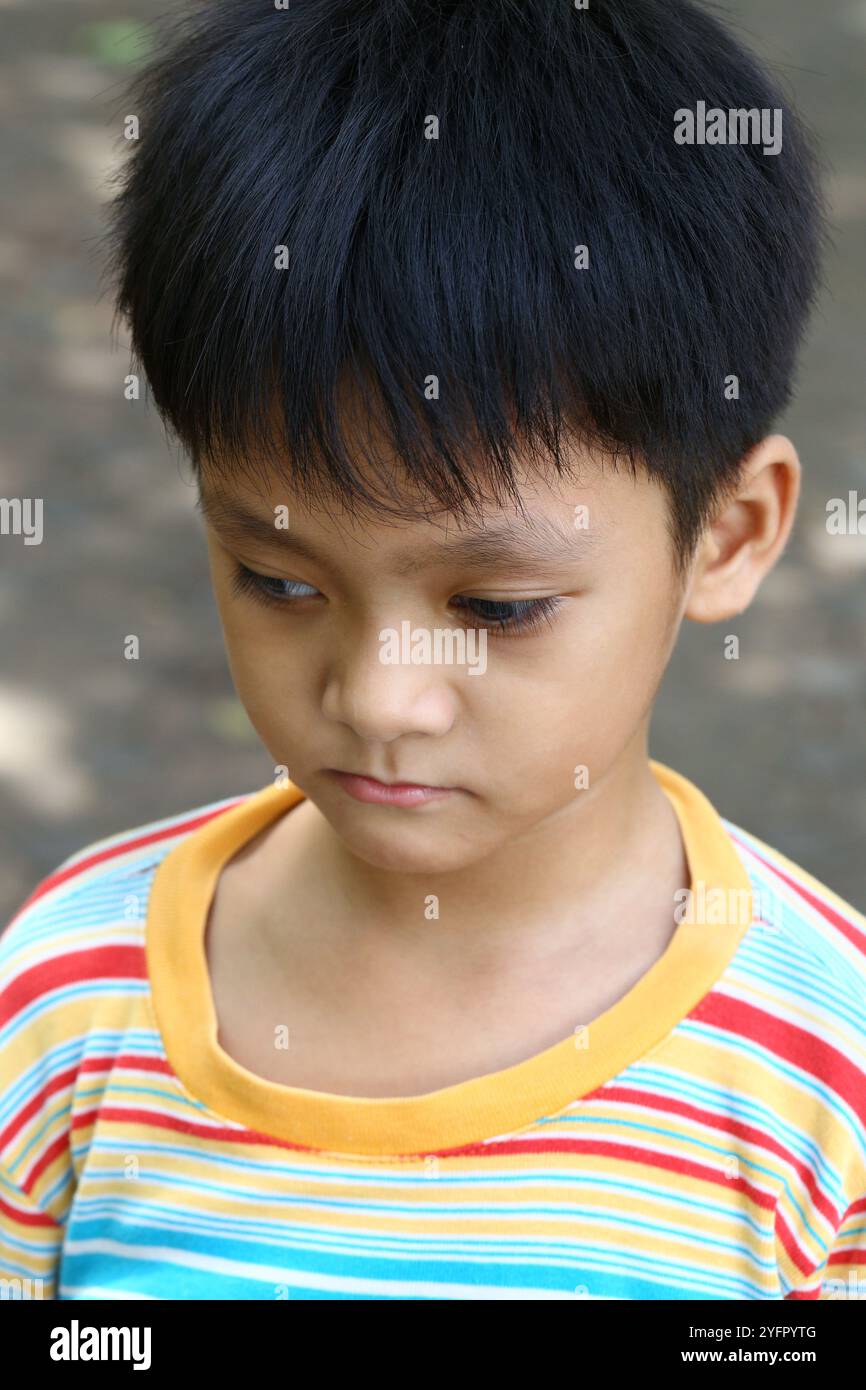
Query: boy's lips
x=371, y=789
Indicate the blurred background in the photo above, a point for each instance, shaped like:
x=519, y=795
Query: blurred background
x=92, y=744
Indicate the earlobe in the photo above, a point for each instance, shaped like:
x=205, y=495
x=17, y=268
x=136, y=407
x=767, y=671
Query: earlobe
x=748, y=534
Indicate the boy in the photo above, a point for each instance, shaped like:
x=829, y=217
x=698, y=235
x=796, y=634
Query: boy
x=476, y=358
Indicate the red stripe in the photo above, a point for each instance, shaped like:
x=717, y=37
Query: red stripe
x=99, y=962
x=843, y=924
x=795, y=1254
x=728, y=1125
x=630, y=1153
x=847, y=1257
x=796, y=1045
x=22, y=1117
x=27, y=1218
x=627, y=1152
x=60, y=1080
x=132, y=1115
x=130, y=1061
x=103, y=855
x=53, y=1152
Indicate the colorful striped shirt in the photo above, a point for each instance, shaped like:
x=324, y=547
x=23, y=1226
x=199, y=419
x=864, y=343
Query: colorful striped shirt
x=704, y=1137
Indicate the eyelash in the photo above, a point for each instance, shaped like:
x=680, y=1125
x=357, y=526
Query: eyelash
x=526, y=615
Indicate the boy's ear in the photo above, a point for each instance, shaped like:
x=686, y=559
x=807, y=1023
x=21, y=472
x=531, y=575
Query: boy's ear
x=748, y=534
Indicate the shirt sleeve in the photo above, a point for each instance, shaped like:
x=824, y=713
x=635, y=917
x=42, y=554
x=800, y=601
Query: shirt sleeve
x=36, y=1174
x=30, y=1243
x=844, y=1274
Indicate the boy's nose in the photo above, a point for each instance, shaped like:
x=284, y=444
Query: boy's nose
x=383, y=702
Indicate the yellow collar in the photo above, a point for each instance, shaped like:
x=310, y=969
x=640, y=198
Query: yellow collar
x=471, y=1111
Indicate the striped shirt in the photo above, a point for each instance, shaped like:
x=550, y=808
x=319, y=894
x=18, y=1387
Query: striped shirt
x=705, y=1137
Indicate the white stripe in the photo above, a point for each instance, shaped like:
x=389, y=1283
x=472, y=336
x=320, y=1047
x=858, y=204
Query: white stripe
x=95, y=1291
x=148, y=828
x=275, y=1274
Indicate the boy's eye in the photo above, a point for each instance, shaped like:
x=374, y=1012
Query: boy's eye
x=515, y=615
x=504, y=616
x=268, y=587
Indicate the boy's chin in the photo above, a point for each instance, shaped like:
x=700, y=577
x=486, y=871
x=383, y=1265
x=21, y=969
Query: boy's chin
x=399, y=842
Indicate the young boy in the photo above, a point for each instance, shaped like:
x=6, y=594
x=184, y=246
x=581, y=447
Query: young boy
x=476, y=354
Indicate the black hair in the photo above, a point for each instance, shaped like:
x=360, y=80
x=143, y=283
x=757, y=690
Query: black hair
x=410, y=258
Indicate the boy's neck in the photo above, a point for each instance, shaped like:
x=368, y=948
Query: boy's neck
x=613, y=855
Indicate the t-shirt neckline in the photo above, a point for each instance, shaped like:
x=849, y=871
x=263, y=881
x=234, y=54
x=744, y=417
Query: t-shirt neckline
x=470, y=1111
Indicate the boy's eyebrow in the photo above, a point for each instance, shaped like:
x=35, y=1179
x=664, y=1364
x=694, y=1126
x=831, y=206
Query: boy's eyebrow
x=513, y=546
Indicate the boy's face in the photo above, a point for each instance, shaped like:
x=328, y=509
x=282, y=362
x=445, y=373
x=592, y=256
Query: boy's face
x=575, y=691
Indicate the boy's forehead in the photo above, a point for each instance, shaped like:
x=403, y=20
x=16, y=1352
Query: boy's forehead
x=552, y=519
x=538, y=533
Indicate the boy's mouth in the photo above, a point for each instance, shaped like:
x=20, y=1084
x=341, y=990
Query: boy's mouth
x=370, y=789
